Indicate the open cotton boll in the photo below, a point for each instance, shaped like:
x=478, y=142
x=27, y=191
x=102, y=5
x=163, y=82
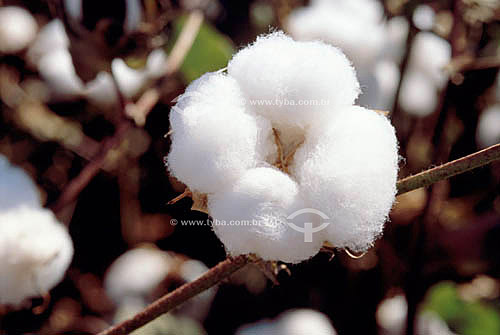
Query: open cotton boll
x=488, y=129
x=51, y=37
x=293, y=83
x=424, y=17
x=418, y=95
x=130, y=81
x=101, y=91
x=156, y=64
x=292, y=322
x=17, y=188
x=387, y=75
x=348, y=171
x=397, y=33
x=353, y=26
x=136, y=273
x=252, y=216
x=197, y=307
x=211, y=128
x=18, y=29
x=35, y=252
x=57, y=70
x=430, y=54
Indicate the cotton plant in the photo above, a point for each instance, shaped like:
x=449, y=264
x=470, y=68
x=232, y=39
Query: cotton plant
x=276, y=163
x=35, y=249
x=360, y=30
x=291, y=322
x=488, y=130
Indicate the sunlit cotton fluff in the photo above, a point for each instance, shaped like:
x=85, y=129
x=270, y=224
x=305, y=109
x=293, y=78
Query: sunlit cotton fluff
x=213, y=133
x=251, y=201
x=17, y=29
x=292, y=322
x=252, y=216
x=348, y=171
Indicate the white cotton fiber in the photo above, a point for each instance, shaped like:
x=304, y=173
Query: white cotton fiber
x=430, y=54
x=35, y=251
x=299, y=75
x=418, y=95
x=16, y=187
x=292, y=322
x=488, y=129
x=424, y=17
x=17, y=29
x=397, y=33
x=101, y=91
x=251, y=217
x=214, y=141
x=136, y=273
x=348, y=171
x=130, y=81
x=354, y=26
x=57, y=69
x=51, y=37
x=387, y=75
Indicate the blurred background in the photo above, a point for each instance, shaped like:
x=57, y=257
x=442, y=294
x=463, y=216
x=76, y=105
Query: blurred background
x=86, y=88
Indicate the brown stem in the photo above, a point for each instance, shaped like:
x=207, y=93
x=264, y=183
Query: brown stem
x=178, y=296
x=450, y=169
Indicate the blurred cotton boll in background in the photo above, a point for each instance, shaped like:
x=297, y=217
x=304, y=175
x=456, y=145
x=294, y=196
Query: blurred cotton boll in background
x=142, y=274
x=425, y=76
x=292, y=322
x=17, y=29
x=488, y=130
x=35, y=249
x=359, y=29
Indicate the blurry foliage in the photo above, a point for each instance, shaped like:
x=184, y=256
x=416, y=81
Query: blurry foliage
x=465, y=317
x=211, y=50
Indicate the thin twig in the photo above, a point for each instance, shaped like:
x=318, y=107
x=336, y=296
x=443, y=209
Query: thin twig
x=77, y=184
x=150, y=97
x=178, y=296
x=450, y=169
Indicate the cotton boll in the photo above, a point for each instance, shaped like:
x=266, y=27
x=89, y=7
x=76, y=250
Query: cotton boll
x=197, y=307
x=130, y=81
x=331, y=169
x=18, y=189
x=305, y=321
x=397, y=33
x=35, y=251
x=276, y=69
x=136, y=273
x=354, y=26
x=391, y=314
x=50, y=38
x=156, y=64
x=214, y=141
x=57, y=70
x=424, y=17
x=430, y=54
x=387, y=75
x=102, y=91
x=418, y=95
x=292, y=322
x=488, y=130
x=252, y=216
x=18, y=29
